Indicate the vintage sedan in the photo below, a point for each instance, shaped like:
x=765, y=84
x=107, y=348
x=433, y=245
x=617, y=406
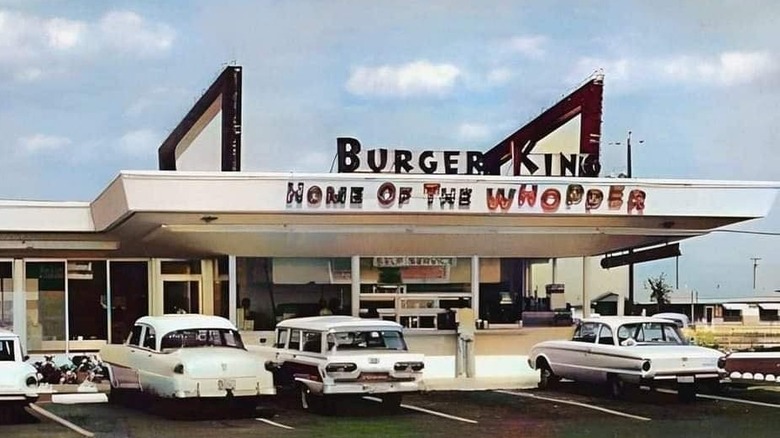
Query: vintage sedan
x=322, y=356
x=631, y=350
x=18, y=379
x=186, y=356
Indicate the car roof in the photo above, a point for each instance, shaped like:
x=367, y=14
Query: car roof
x=322, y=323
x=620, y=320
x=172, y=322
x=7, y=334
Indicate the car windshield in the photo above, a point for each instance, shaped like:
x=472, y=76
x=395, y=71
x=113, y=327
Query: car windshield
x=368, y=339
x=650, y=333
x=193, y=338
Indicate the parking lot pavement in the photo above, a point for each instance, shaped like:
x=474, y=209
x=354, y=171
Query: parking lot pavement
x=488, y=413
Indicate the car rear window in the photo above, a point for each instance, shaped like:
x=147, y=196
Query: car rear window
x=367, y=339
x=7, y=350
x=194, y=338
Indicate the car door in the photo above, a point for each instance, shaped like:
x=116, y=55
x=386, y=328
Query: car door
x=123, y=371
x=602, y=355
x=143, y=360
x=577, y=355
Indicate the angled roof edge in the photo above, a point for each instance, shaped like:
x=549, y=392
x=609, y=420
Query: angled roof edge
x=224, y=92
x=585, y=100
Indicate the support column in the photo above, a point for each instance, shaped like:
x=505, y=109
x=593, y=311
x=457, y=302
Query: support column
x=621, y=305
x=109, y=306
x=156, y=300
x=207, y=286
x=20, y=302
x=475, y=285
x=232, y=289
x=585, y=295
x=355, y=291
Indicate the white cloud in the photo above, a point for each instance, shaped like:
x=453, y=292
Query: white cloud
x=63, y=34
x=140, y=143
x=499, y=76
x=41, y=143
x=33, y=47
x=724, y=69
x=419, y=78
x=530, y=46
x=129, y=32
x=474, y=131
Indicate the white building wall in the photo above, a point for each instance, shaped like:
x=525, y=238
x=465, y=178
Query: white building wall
x=569, y=272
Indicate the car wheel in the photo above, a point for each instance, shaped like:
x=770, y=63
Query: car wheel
x=547, y=379
x=686, y=392
x=305, y=397
x=391, y=401
x=617, y=387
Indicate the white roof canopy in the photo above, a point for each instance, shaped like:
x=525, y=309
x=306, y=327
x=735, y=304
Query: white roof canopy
x=769, y=306
x=735, y=306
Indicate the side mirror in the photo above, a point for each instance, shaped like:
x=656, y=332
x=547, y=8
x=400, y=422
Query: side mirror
x=26, y=358
x=630, y=342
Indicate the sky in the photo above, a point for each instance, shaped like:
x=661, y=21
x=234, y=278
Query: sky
x=91, y=88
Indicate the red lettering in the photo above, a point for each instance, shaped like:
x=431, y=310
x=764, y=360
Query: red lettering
x=494, y=202
x=636, y=201
x=615, y=199
x=551, y=199
x=528, y=196
x=386, y=194
x=593, y=199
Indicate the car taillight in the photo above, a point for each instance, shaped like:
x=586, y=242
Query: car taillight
x=32, y=381
x=340, y=367
x=405, y=366
x=179, y=369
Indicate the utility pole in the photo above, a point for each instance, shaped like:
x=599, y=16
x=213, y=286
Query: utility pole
x=630, y=251
x=755, y=266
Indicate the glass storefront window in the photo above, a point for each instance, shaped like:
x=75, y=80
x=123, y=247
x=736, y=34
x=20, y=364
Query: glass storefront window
x=129, y=296
x=87, y=300
x=222, y=288
x=45, y=285
x=182, y=267
x=417, y=292
x=273, y=289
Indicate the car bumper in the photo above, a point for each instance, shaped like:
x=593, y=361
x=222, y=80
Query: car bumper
x=687, y=378
x=18, y=398
x=368, y=388
x=222, y=388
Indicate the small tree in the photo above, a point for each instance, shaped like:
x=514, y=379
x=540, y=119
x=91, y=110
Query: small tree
x=659, y=290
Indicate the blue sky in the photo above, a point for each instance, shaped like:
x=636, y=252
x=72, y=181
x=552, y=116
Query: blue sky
x=91, y=88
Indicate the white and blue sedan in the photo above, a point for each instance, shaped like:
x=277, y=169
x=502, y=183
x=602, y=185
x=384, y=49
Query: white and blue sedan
x=630, y=350
x=186, y=356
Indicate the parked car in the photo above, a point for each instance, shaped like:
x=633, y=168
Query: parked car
x=322, y=356
x=753, y=367
x=186, y=356
x=18, y=379
x=630, y=350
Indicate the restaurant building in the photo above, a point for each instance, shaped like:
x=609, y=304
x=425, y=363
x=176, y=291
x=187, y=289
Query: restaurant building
x=396, y=234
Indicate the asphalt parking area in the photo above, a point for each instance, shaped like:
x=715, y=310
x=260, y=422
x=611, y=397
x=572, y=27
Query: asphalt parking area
x=489, y=413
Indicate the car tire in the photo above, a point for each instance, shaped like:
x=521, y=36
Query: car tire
x=305, y=397
x=547, y=378
x=391, y=401
x=617, y=387
x=686, y=392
